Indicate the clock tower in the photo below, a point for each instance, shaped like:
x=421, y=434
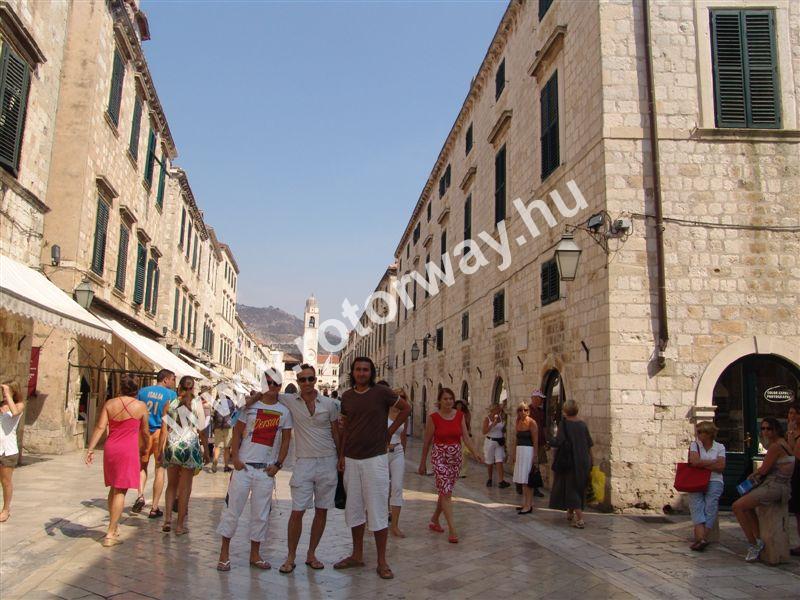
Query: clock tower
x=311, y=331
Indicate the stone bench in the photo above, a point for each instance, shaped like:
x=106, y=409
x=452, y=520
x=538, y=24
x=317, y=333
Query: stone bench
x=773, y=523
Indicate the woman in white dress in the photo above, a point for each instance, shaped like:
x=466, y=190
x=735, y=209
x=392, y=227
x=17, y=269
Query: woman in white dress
x=10, y=413
x=397, y=459
x=527, y=438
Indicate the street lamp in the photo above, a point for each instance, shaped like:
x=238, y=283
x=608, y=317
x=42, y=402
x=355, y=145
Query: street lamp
x=414, y=351
x=567, y=255
x=84, y=294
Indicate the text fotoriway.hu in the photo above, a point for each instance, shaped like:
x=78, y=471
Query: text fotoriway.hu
x=471, y=259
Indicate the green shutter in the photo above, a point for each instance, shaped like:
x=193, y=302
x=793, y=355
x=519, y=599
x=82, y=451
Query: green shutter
x=499, y=308
x=548, y=140
x=136, y=126
x=156, y=276
x=468, y=218
x=161, y=181
x=500, y=185
x=194, y=253
x=138, y=283
x=122, y=258
x=176, y=309
x=550, y=280
x=148, y=286
x=183, y=227
x=189, y=242
x=746, y=90
x=115, y=96
x=151, y=157
x=500, y=79
x=14, y=79
x=100, y=235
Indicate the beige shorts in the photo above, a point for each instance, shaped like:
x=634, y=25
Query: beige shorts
x=771, y=491
x=9, y=460
x=222, y=437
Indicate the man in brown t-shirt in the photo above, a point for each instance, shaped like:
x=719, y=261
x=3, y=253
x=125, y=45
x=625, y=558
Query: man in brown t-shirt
x=362, y=456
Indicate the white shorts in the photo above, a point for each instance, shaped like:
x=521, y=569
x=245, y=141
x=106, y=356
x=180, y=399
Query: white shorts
x=397, y=469
x=367, y=484
x=493, y=452
x=257, y=485
x=314, y=483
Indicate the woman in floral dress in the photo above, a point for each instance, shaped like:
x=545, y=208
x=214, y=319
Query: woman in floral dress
x=184, y=447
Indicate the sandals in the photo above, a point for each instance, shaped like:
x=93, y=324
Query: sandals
x=579, y=524
x=384, y=572
x=110, y=541
x=315, y=564
x=224, y=565
x=138, y=505
x=183, y=531
x=166, y=528
x=348, y=563
x=5, y=517
x=260, y=564
x=453, y=539
x=435, y=527
x=286, y=570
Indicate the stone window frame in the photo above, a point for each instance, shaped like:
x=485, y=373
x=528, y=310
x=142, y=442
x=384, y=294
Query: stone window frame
x=705, y=76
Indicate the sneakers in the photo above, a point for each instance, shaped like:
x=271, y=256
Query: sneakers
x=503, y=484
x=489, y=483
x=754, y=551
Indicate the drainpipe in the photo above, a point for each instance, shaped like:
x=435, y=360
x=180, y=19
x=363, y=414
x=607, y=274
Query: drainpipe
x=663, y=330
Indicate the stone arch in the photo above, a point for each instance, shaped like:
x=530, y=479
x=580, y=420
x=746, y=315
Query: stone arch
x=757, y=344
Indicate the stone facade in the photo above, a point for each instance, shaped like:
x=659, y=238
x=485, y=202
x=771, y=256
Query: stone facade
x=731, y=281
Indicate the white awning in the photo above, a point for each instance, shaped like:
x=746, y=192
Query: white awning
x=28, y=293
x=153, y=351
x=200, y=365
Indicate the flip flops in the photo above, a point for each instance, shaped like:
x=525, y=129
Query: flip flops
x=384, y=572
x=110, y=541
x=286, y=570
x=155, y=514
x=315, y=564
x=224, y=565
x=348, y=563
x=260, y=564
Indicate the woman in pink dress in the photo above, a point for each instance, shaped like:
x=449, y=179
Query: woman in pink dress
x=126, y=420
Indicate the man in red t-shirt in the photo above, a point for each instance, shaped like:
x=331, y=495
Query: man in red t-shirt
x=365, y=437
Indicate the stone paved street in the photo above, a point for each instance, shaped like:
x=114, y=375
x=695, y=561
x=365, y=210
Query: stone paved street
x=50, y=550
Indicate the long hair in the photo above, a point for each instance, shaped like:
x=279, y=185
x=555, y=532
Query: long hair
x=373, y=372
x=128, y=385
x=182, y=385
x=775, y=424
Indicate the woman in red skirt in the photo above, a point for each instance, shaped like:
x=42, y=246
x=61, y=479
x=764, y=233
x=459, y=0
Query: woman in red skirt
x=445, y=429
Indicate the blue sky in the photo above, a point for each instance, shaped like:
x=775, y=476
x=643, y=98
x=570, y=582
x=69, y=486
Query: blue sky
x=309, y=128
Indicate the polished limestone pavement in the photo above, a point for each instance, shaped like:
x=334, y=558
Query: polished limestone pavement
x=50, y=549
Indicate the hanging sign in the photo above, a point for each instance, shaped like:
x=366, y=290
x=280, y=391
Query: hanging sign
x=779, y=394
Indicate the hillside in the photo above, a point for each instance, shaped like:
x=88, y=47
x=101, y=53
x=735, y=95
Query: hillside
x=274, y=326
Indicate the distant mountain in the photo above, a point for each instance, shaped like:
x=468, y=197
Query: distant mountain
x=274, y=327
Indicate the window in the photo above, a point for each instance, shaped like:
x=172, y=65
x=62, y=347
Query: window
x=151, y=159
x=136, y=125
x=100, y=235
x=543, y=6
x=189, y=240
x=468, y=140
x=148, y=286
x=176, y=309
x=141, y=264
x=444, y=184
x=189, y=323
x=427, y=261
x=183, y=228
x=443, y=248
x=415, y=236
x=122, y=257
x=440, y=338
x=500, y=79
x=194, y=328
x=465, y=326
x=500, y=185
x=499, y=308
x=468, y=218
x=115, y=96
x=408, y=250
x=194, y=253
x=183, y=314
x=745, y=69
x=548, y=140
x=550, y=282
x=425, y=346
x=154, y=302
x=161, y=181
x=14, y=79
x=428, y=212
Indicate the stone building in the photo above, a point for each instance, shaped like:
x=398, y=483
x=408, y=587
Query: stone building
x=685, y=210
x=227, y=276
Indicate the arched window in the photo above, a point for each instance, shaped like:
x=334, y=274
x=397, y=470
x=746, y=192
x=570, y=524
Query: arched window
x=500, y=393
x=312, y=322
x=465, y=394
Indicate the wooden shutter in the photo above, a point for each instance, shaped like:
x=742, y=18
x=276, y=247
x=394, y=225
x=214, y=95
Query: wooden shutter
x=183, y=227
x=100, y=235
x=161, y=182
x=176, y=309
x=189, y=323
x=150, y=160
x=440, y=338
x=443, y=248
x=189, y=243
x=550, y=281
x=468, y=141
x=115, y=95
x=468, y=217
x=500, y=79
x=500, y=185
x=548, y=140
x=136, y=126
x=156, y=277
x=183, y=315
x=194, y=253
x=465, y=326
x=746, y=90
x=122, y=258
x=14, y=80
x=148, y=286
x=138, y=283
x=499, y=308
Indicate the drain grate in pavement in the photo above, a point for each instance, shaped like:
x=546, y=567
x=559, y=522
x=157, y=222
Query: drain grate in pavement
x=655, y=519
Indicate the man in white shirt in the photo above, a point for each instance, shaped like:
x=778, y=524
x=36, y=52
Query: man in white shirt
x=314, y=475
x=257, y=429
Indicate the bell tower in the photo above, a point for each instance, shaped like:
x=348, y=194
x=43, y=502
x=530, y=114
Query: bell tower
x=311, y=331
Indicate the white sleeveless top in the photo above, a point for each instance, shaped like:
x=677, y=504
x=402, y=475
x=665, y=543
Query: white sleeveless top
x=496, y=431
x=396, y=436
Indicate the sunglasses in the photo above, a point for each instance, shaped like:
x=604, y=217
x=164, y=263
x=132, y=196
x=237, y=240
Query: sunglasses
x=522, y=410
x=311, y=379
x=766, y=428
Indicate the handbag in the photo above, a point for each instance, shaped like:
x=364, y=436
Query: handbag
x=691, y=479
x=340, y=498
x=535, y=478
x=563, y=461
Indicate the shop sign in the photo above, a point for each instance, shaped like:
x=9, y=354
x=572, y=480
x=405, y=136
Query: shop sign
x=779, y=394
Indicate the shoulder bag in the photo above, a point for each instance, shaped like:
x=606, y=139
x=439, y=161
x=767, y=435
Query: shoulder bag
x=691, y=479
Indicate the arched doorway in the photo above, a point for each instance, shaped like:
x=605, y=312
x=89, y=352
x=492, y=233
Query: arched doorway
x=500, y=392
x=555, y=396
x=465, y=395
x=749, y=389
x=424, y=405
